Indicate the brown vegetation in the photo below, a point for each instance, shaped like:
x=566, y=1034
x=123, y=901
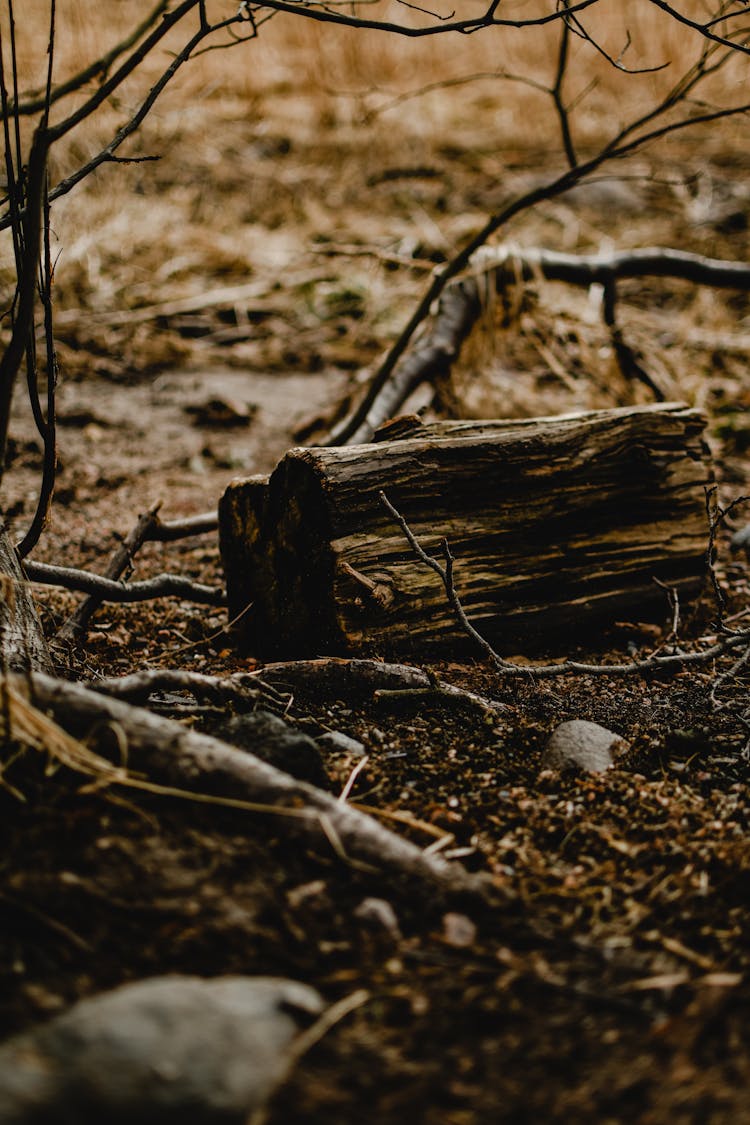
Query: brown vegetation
x=307, y=184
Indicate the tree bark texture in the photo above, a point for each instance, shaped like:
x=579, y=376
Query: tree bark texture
x=554, y=523
x=22, y=641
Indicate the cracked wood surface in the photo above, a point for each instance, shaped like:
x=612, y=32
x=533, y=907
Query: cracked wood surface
x=555, y=524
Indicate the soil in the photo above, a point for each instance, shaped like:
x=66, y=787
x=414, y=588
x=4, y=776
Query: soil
x=614, y=984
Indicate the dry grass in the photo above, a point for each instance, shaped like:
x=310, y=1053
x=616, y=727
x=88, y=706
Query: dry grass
x=338, y=72
x=274, y=145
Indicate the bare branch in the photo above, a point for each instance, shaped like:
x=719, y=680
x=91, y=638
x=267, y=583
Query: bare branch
x=386, y=681
x=704, y=29
x=182, y=763
x=465, y=27
x=162, y=586
x=168, y=531
x=75, y=626
x=101, y=67
x=148, y=528
x=627, y=141
x=650, y=664
x=241, y=688
x=557, y=92
x=460, y=306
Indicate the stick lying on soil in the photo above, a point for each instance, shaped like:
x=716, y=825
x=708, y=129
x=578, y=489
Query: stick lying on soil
x=337, y=675
x=242, y=688
x=203, y=768
x=148, y=528
x=108, y=590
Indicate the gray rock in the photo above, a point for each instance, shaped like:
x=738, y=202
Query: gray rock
x=341, y=743
x=278, y=743
x=579, y=744
x=160, y=1052
x=379, y=915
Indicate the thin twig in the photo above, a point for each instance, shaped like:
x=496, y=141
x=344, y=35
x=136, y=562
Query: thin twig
x=101, y=67
x=74, y=628
x=239, y=689
x=631, y=137
x=557, y=92
x=647, y=665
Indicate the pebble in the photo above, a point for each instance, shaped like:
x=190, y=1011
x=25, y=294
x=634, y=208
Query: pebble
x=161, y=1051
x=341, y=743
x=458, y=930
x=378, y=914
x=579, y=744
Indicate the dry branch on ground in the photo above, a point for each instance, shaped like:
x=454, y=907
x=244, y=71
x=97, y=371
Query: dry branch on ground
x=163, y=756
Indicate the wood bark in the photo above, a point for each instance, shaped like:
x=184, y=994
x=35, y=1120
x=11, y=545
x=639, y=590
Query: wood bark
x=555, y=524
x=21, y=638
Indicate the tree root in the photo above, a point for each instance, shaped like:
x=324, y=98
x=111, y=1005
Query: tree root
x=180, y=762
x=336, y=674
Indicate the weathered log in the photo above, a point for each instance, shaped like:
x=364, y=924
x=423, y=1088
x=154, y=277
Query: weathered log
x=555, y=523
x=22, y=642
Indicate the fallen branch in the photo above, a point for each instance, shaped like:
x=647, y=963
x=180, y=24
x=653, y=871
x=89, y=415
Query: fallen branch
x=241, y=688
x=461, y=303
x=148, y=528
x=75, y=626
x=180, y=762
x=108, y=590
x=169, y=531
x=334, y=674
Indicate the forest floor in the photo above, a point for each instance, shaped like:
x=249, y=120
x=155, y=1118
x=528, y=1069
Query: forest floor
x=614, y=984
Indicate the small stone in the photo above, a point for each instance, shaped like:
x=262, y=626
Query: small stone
x=458, y=930
x=222, y=412
x=579, y=744
x=277, y=742
x=378, y=914
x=341, y=743
x=166, y=1050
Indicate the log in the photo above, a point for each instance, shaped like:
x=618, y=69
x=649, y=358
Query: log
x=556, y=524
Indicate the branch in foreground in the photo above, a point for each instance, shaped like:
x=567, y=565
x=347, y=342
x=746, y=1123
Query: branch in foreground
x=180, y=762
x=161, y=586
x=241, y=688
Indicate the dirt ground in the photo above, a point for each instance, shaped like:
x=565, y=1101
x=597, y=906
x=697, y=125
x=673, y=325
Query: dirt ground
x=614, y=985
